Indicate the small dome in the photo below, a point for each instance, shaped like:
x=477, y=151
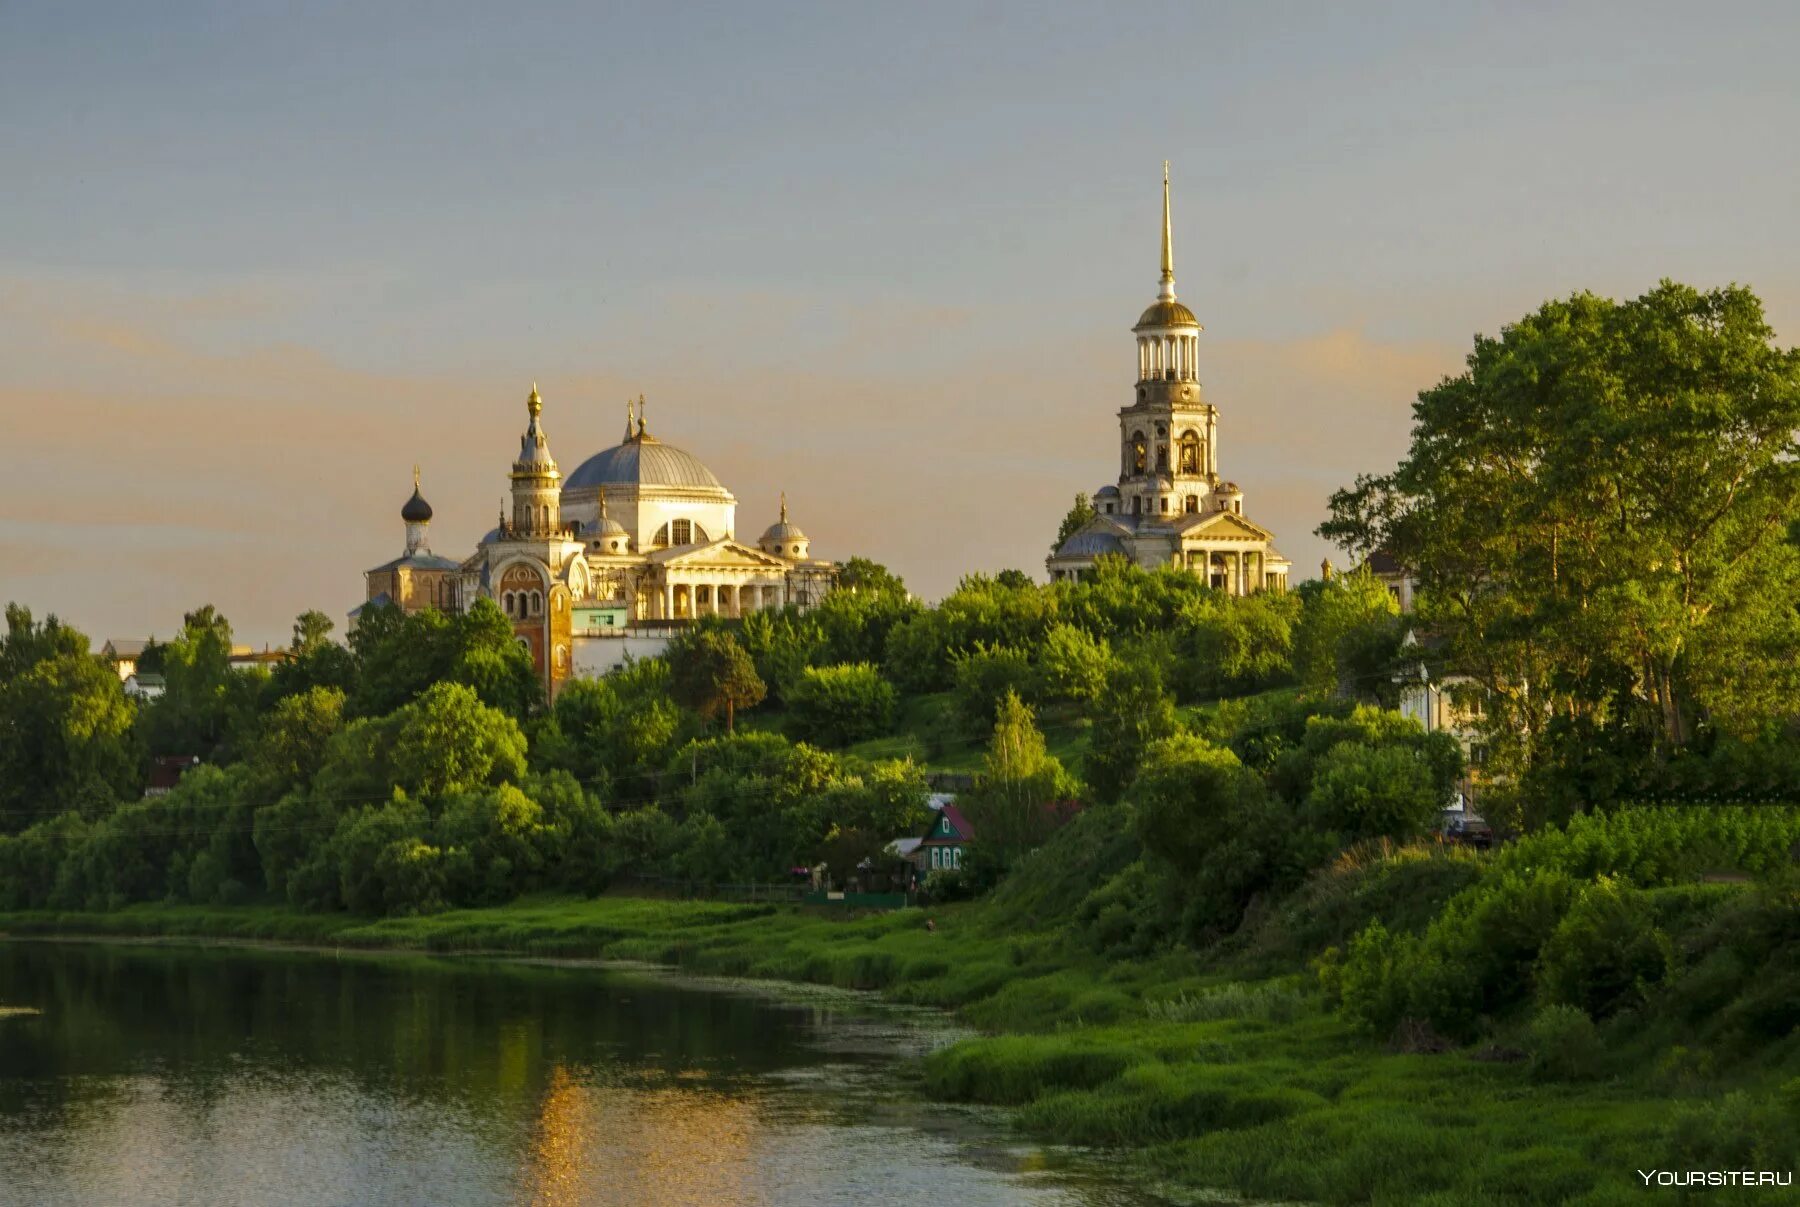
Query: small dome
x=417, y=510
x=1107, y=492
x=1167, y=314
x=783, y=531
x=606, y=526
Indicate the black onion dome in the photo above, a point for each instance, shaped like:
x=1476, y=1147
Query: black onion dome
x=417, y=510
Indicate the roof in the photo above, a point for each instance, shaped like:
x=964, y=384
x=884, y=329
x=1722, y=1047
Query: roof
x=418, y=561
x=147, y=679
x=383, y=600
x=124, y=647
x=1167, y=314
x=1107, y=492
x=784, y=531
x=1090, y=544
x=416, y=509
x=642, y=461
x=954, y=816
x=1383, y=562
x=904, y=846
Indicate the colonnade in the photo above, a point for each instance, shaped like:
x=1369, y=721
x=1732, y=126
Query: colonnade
x=1161, y=357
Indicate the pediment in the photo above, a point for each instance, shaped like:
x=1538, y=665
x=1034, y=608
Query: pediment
x=720, y=554
x=1227, y=525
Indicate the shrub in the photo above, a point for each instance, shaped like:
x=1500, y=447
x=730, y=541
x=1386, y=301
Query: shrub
x=838, y=705
x=1565, y=1045
x=1605, y=953
x=984, y=677
x=1374, y=792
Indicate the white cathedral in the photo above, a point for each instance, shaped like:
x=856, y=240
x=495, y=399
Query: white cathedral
x=1170, y=506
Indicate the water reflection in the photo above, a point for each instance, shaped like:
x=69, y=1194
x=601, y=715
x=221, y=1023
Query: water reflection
x=219, y=1075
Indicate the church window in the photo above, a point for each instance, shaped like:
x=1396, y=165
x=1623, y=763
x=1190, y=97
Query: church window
x=1109, y=509
x=1139, y=452
x=1191, y=504
x=1137, y=505
x=681, y=532
x=1165, y=503
x=1190, y=453
x=506, y=603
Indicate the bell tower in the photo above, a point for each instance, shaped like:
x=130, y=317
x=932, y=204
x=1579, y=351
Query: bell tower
x=1168, y=436
x=536, y=482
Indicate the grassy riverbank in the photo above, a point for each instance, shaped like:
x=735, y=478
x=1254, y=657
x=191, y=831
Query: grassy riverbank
x=1209, y=1080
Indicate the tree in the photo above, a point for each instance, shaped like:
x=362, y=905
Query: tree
x=401, y=656
x=1077, y=519
x=838, y=705
x=66, y=740
x=1021, y=791
x=1074, y=664
x=1132, y=712
x=1602, y=501
x=710, y=673
x=312, y=629
x=860, y=574
x=1374, y=792
x=1347, y=636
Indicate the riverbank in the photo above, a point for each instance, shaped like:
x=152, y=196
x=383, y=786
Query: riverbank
x=1203, y=1080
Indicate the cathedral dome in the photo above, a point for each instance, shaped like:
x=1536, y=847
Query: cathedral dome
x=606, y=526
x=1167, y=313
x=643, y=461
x=784, y=531
x=417, y=510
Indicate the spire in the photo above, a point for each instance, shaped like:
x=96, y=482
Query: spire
x=628, y=420
x=784, y=507
x=603, y=504
x=534, y=404
x=641, y=428
x=1167, y=292
x=415, y=475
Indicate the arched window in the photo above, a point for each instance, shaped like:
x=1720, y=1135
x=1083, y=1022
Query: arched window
x=1191, y=504
x=506, y=603
x=662, y=537
x=681, y=532
x=1190, y=453
x=1137, y=505
x=1139, y=453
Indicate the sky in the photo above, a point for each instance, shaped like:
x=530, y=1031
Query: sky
x=257, y=260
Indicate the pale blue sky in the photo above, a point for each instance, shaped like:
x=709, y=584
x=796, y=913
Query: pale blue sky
x=257, y=259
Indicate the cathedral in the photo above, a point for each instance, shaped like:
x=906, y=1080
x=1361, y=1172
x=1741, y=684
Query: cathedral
x=1170, y=506
x=608, y=561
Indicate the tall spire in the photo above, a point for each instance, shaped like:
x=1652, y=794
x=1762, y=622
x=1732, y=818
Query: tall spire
x=1167, y=292
x=784, y=507
x=628, y=419
x=641, y=428
x=534, y=404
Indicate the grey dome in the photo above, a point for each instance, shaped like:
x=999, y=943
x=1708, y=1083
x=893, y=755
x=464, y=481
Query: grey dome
x=642, y=461
x=606, y=526
x=784, y=531
x=1107, y=492
x=1090, y=544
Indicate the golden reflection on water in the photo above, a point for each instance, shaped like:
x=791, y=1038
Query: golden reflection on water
x=662, y=1147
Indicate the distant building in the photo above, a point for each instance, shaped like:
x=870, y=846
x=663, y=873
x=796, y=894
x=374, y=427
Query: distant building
x=1438, y=698
x=122, y=654
x=1169, y=506
x=142, y=685
x=166, y=771
x=639, y=540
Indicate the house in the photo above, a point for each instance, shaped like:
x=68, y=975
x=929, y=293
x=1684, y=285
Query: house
x=142, y=685
x=166, y=771
x=122, y=654
x=942, y=845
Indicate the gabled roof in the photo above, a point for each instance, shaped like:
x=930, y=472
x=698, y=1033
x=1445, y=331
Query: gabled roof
x=123, y=647
x=1224, y=524
x=953, y=816
x=418, y=561
x=722, y=552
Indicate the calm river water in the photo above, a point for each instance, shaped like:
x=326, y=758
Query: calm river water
x=156, y=1074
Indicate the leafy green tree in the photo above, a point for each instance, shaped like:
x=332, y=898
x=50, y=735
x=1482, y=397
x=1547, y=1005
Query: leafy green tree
x=401, y=656
x=312, y=629
x=985, y=676
x=206, y=705
x=296, y=733
x=1605, y=495
x=1014, y=580
x=614, y=733
x=314, y=660
x=862, y=575
x=1606, y=954
x=1230, y=645
x=1073, y=664
x=1374, y=792
x=1347, y=637
x=1022, y=791
x=1077, y=519
x=66, y=740
x=838, y=705
x=1133, y=712
x=710, y=673
x=1188, y=798
x=782, y=644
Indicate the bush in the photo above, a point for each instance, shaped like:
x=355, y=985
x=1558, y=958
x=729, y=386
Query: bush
x=1565, y=1045
x=1605, y=953
x=838, y=705
x=1374, y=792
x=983, y=678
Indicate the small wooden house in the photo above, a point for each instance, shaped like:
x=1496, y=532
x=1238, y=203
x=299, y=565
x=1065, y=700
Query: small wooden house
x=941, y=849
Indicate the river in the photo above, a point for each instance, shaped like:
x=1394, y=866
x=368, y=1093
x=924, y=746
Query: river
x=191, y=1074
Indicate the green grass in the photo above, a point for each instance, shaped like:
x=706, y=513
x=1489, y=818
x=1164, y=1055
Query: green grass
x=1208, y=1080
